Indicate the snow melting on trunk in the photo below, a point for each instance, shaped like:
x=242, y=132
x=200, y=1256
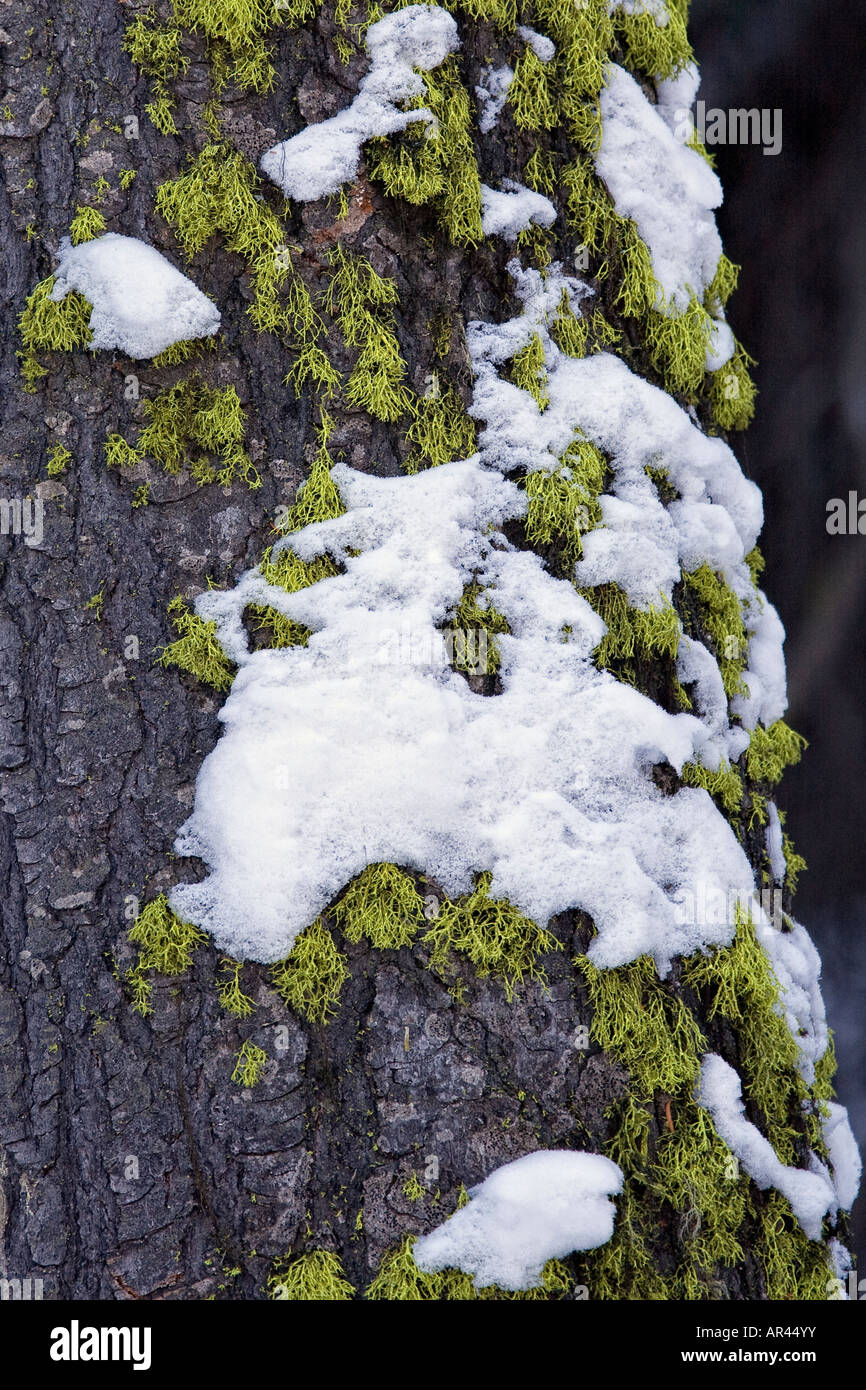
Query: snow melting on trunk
x=509, y=211
x=810, y=1192
x=141, y=303
x=322, y=157
x=538, y=1208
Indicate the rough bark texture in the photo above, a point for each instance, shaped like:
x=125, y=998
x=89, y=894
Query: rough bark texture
x=132, y=1166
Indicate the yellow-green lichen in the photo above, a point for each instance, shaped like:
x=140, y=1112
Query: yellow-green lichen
x=529, y=371
x=311, y=977
x=196, y=648
x=733, y=392
x=474, y=628
x=166, y=945
x=156, y=49
x=87, y=223
x=362, y=302
x=721, y=615
x=46, y=326
x=656, y=48
x=771, y=750
x=249, y=1065
x=58, y=458
x=383, y=905
x=497, y=938
x=315, y=1277
x=563, y=503
x=441, y=430
x=189, y=425
x=725, y=784
x=231, y=996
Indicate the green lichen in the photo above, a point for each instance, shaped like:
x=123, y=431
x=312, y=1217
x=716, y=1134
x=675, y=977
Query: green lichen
x=658, y=50
x=58, y=458
x=733, y=392
x=563, y=503
x=236, y=30
x=474, y=628
x=249, y=1065
x=316, y=1277
x=772, y=750
x=441, y=430
x=231, y=996
x=677, y=346
x=529, y=371
x=633, y=634
x=156, y=49
x=399, y=1280
x=532, y=94
x=311, y=977
x=722, y=286
x=413, y=1188
x=362, y=302
x=166, y=945
x=197, y=649
x=590, y=210
x=725, y=784
x=492, y=934
x=188, y=426
x=382, y=905
x=46, y=326
x=86, y=224
x=435, y=162
x=721, y=616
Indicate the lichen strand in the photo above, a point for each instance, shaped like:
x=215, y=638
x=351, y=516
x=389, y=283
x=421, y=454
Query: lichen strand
x=166, y=946
x=362, y=303
x=46, y=326
x=680, y=1177
x=435, y=163
x=398, y=1279
x=196, y=648
x=219, y=195
x=383, y=906
x=315, y=1277
x=492, y=934
x=563, y=504
x=188, y=426
x=712, y=601
x=311, y=977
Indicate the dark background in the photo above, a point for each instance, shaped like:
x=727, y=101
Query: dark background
x=796, y=223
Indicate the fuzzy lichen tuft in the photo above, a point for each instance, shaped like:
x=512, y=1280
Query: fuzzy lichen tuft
x=311, y=977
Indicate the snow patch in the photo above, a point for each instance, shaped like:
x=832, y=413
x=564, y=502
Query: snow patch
x=665, y=187
x=538, y=1208
x=509, y=211
x=492, y=93
x=810, y=1192
x=844, y=1154
x=141, y=303
x=543, y=47
x=321, y=158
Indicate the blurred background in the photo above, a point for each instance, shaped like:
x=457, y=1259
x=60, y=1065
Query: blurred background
x=796, y=222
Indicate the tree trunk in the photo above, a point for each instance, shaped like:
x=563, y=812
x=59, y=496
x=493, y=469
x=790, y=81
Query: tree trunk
x=160, y=1138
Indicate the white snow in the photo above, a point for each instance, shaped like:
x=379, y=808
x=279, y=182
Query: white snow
x=774, y=842
x=492, y=93
x=141, y=303
x=322, y=157
x=656, y=8
x=538, y=1208
x=810, y=1193
x=844, y=1154
x=509, y=211
x=665, y=187
x=543, y=47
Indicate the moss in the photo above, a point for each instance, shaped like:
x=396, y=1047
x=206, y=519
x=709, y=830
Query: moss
x=733, y=392
x=739, y=986
x=677, y=347
x=46, y=326
x=532, y=94
x=399, y=1279
x=383, y=905
x=362, y=302
x=473, y=616
x=311, y=977
x=725, y=784
x=166, y=946
x=721, y=616
x=156, y=49
x=219, y=194
x=441, y=430
x=86, y=224
x=563, y=503
x=316, y=1277
x=659, y=50
x=187, y=418
x=231, y=996
x=528, y=371
x=249, y=1065
x=436, y=163
x=632, y=633
x=771, y=750
x=638, y=1018
x=58, y=458
x=590, y=210
x=492, y=934
x=197, y=649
